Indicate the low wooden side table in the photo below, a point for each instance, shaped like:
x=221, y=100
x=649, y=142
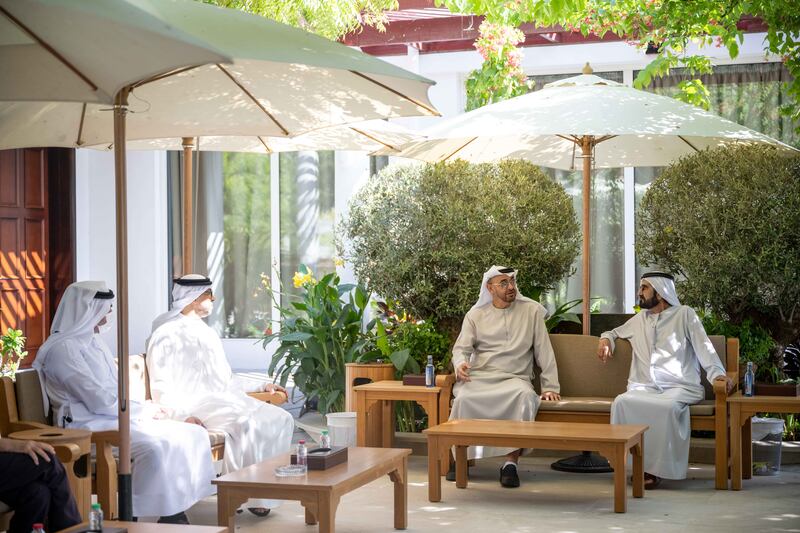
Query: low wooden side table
x=741, y=409
x=78, y=472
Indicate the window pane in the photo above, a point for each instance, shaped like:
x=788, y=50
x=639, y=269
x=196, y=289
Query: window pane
x=307, y=185
x=231, y=241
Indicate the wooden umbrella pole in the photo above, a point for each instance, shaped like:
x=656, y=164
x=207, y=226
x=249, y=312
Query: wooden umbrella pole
x=586, y=147
x=188, y=205
x=124, y=423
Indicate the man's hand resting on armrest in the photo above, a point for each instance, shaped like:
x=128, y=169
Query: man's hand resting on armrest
x=273, y=387
x=552, y=396
x=604, y=350
x=728, y=383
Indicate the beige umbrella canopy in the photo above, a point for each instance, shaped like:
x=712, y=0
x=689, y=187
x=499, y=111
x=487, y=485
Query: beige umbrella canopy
x=581, y=122
x=176, y=68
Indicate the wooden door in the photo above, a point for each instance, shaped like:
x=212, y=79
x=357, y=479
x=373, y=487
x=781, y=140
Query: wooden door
x=24, y=236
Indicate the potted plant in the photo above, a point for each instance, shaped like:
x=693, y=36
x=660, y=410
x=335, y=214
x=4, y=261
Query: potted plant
x=320, y=332
x=12, y=351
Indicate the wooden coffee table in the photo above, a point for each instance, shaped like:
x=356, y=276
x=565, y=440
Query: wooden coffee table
x=320, y=490
x=611, y=440
x=741, y=409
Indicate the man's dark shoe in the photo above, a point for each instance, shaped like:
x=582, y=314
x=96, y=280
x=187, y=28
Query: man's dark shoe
x=178, y=518
x=260, y=512
x=509, y=477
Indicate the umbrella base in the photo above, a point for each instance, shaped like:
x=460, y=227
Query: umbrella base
x=585, y=463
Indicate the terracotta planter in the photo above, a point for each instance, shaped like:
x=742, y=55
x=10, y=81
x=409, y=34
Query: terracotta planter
x=777, y=389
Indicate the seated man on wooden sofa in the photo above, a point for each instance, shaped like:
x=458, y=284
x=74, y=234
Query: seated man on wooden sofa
x=494, y=357
x=171, y=461
x=190, y=376
x=34, y=483
x=669, y=346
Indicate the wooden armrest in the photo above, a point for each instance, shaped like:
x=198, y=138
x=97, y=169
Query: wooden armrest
x=720, y=388
x=106, y=437
x=24, y=425
x=275, y=398
x=67, y=452
x=445, y=380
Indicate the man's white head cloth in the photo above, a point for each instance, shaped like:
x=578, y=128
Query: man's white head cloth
x=83, y=305
x=185, y=290
x=664, y=285
x=485, y=297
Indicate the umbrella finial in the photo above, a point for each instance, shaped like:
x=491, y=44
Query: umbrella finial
x=587, y=68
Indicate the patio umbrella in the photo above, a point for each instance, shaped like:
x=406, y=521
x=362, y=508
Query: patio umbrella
x=361, y=136
x=581, y=122
x=257, y=77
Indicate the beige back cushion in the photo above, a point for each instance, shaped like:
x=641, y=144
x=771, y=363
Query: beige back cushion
x=30, y=404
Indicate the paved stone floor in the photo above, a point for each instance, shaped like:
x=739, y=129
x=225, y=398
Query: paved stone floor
x=549, y=501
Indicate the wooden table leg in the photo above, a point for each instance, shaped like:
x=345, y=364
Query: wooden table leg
x=225, y=513
x=747, y=446
x=434, y=479
x=311, y=512
x=361, y=418
x=400, y=479
x=461, y=467
x=387, y=424
x=326, y=511
x=618, y=463
x=736, y=446
x=638, y=467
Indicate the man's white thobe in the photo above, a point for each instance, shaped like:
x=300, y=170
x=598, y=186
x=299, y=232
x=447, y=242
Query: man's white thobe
x=668, y=349
x=172, y=467
x=190, y=374
x=502, y=344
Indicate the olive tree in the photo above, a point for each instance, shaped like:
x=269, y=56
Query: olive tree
x=423, y=235
x=728, y=222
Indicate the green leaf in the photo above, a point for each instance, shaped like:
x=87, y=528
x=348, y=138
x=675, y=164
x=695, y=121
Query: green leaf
x=400, y=359
x=297, y=336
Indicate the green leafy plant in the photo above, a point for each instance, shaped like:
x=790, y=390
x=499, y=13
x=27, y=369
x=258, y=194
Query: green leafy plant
x=423, y=235
x=726, y=221
x=12, y=351
x=755, y=343
x=319, y=334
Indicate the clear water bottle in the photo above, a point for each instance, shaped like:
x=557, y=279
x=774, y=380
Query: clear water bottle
x=96, y=518
x=749, y=380
x=302, y=455
x=38, y=528
x=325, y=439
x=430, y=378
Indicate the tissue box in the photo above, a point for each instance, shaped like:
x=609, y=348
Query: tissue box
x=324, y=458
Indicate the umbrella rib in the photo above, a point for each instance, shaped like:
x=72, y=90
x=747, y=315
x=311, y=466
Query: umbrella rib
x=269, y=150
x=693, y=147
x=433, y=112
x=78, y=141
x=165, y=75
x=50, y=49
x=254, y=99
x=567, y=138
x=459, y=149
x=368, y=136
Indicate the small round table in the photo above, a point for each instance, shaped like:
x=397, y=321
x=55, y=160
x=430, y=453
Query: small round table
x=78, y=472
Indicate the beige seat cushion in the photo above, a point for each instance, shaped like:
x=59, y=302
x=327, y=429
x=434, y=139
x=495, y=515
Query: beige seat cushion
x=593, y=404
x=704, y=408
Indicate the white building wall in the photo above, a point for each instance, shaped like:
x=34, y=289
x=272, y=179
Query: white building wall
x=95, y=228
x=147, y=190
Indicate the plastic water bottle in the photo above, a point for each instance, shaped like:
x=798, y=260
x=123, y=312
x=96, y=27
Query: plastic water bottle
x=749, y=380
x=38, y=528
x=96, y=518
x=302, y=455
x=430, y=379
x=325, y=439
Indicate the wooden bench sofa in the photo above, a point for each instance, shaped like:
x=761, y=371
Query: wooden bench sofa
x=588, y=388
x=22, y=407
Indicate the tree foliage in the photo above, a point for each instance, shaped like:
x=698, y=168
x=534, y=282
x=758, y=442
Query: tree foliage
x=671, y=25
x=727, y=221
x=329, y=18
x=424, y=235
